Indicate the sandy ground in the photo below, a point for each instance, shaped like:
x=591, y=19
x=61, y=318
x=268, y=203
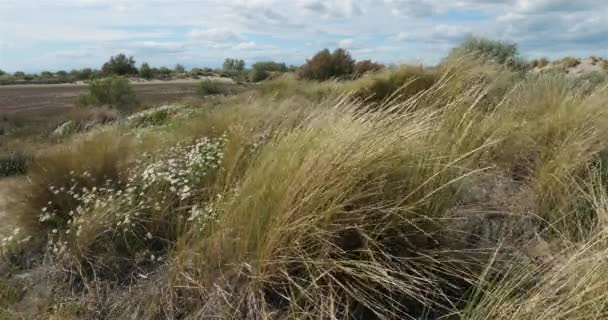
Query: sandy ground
x=586, y=66
x=5, y=185
x=135, y=81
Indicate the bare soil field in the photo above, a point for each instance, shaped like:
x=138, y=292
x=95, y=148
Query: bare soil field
x=44, y=101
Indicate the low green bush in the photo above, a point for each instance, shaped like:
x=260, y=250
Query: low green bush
x=570, y=62
x=115, y=92
x=539, y=63
x=403, y=83
x=263, y=70
x=209, y=87
x=501, y=52
x=13, y=163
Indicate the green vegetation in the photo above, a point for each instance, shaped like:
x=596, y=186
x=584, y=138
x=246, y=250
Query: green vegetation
x=233, y=65
x=13, y=163
x=114, y=92
x=400, y=84
x=569, y=62
x=501, y=52
x=179, y=69
x=145, y=71
x=539, y=63
x=469, y=191
x=263, y=70
x=119, y=65
x=207, y=87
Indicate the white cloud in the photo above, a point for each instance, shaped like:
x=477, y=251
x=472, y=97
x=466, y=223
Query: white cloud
x=438, y=34
x=346, y=43
x=215, y=35
x=246, y=45
x=209, y=30
x=413, y=8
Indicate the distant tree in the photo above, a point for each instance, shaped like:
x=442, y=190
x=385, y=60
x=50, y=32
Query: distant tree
x=326, y=65
x=19, y=74
x=196, y=71
x=120, y=65
x=163, y=72
x=262, y=70
x=233, y=65
x=62, y=76
x=2, y=72
x=145, y=71
x=96, y=74
x=85, y=74
x=179, y=69
x=46, y=74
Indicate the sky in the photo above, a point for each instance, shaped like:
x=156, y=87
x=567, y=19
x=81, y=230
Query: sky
x=67, y=34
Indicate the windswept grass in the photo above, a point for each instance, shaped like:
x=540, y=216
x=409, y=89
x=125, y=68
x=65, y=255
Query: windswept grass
x=469, y=191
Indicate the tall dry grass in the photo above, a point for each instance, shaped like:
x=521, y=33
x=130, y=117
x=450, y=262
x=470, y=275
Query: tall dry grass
x=478, y=196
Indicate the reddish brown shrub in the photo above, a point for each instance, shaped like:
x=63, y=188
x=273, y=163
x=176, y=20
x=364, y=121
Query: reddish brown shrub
x=325, y=65
x=366, y=66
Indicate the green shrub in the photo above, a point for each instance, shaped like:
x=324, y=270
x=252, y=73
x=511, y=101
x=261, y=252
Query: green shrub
x=13, y=163
x=82, y=74
x=120, y=65
x=145, y=71
x=501, y=52
x=262, y=70
x=9, y=294
x=570, y=62
x=179, y=69
x=162, y=73
x=207, y=87
x=539, y=63
x=404, y=83
x=115, y=92
x=325, y=65
x=2, y=72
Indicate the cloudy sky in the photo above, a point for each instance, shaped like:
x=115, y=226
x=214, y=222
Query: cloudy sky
x=65, y=34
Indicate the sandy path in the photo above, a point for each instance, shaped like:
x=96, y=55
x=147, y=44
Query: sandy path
x=5, y=185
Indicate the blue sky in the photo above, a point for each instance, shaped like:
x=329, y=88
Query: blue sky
x=65, y=34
